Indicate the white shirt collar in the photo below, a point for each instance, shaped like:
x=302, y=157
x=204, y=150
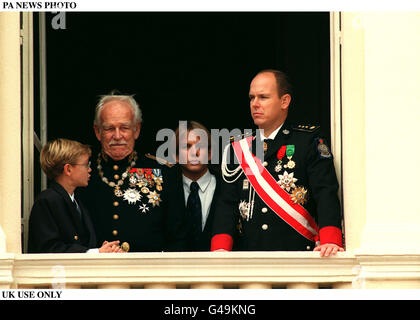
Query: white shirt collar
x=203, y=182
x=272, y=136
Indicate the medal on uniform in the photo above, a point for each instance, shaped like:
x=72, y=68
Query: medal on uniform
x=299, y=195
x=148, y=174
x=290, y=151
x=132, y=195
x=244, y=210
x=143, y=208
x=154, y=198
x=245, y=184
x=132, y=179
x=145, y=190
x=287, y=181
x=157, y=173
x=280, y=155
x=118, y=192
x=158, y=180
x=142, y=183
x=157, y=177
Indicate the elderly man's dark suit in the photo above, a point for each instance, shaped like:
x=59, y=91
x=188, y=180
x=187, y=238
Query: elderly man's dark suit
x=55, y=225
x=144, y=226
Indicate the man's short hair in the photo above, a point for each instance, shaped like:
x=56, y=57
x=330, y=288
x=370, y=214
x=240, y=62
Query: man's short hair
x=284, y=85
x=56, y=153
x=117, y=97
x=191, y=125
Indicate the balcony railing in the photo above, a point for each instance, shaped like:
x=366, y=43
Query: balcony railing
x=241, y=270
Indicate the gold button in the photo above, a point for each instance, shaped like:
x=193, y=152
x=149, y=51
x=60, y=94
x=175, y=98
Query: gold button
x=265, y=163
x=264, y=227
x=115, y=232
x=264, y=210
x=115, y=167
x=116, y=216
x=116, y=204
x=76, y=237
x=116, y=176
x=125, y=246
x=308, y=248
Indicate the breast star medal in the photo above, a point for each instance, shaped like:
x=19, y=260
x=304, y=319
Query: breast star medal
x=280, y=155
x=132, y=195
x=290, y=151
x=287, y=181
x=299, y=195
x=154, y=198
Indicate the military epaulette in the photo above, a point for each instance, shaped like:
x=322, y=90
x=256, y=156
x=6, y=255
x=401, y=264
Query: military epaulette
x=305, y=128
x=160, y=160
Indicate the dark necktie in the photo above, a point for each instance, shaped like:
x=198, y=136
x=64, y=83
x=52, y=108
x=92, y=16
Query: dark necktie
x=77, y=207
x=194, y=208
x=267, y=144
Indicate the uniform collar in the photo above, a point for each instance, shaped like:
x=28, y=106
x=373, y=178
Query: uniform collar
x=280, y=136
x=272, y=136
x=108, y=163
x=107, y=159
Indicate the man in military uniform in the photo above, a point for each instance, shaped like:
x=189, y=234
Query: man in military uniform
x=287, y=198
x=127, y=193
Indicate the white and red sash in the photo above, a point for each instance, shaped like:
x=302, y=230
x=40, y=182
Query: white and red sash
x=272, y=194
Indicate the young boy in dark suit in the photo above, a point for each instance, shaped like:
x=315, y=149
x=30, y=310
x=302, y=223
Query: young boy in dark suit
x=197, y=184
x=59, y=222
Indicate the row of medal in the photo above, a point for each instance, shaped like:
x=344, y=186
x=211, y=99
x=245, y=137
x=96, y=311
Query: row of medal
x=145, y=179
x=298, y=194
x=289, y=151
x=287, y=180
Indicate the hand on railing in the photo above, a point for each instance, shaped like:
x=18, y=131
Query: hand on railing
x=111, y=247
x=327, y=249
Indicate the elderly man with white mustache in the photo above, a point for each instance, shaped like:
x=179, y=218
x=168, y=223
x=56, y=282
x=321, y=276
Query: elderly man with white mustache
x=127, y=194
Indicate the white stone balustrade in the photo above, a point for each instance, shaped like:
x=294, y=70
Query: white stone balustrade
x=241, y=270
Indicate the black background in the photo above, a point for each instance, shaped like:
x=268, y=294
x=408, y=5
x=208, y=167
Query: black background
x=183, y=66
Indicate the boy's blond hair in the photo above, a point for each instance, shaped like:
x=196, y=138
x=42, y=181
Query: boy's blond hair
x=56, y=153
